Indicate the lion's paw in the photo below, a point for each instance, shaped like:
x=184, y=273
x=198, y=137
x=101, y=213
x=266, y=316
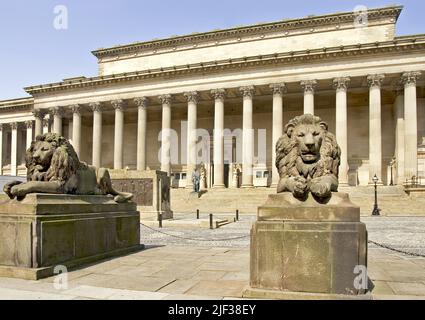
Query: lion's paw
x=321, y=190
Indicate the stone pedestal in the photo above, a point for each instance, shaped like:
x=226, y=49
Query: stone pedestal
x=44, y=231
x=305, y=250
x=151, y=191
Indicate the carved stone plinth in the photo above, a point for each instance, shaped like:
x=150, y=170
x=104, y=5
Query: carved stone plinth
x=44, y=231
x=304, y=250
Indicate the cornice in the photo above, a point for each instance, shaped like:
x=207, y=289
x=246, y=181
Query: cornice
x=391, y=12
x=16, y=104
x=399, y=45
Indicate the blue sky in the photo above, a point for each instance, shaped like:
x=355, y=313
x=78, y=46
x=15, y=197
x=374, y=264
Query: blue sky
x=33, y=52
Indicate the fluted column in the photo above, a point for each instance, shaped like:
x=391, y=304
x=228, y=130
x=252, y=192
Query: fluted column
x=375, y=131
x=29, y=125
x=411, y=124
x=341, y=85
x=192, y=103
x=14, y=150
x=76, y=128
x=97, y=134
x=141, y=103
x=247, y=137
x=57, y=119
x=166, y=134
x=118, y=105
x=39, y=116
x=218, y=95
x=1, y=149
x=399, y=136
x=278, y=90
x=309, y=86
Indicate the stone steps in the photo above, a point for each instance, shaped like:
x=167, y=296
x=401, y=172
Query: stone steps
x=391, y=200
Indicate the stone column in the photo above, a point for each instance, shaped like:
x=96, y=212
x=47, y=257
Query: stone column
x=97, y=134
x=218, y=95
x=57, y=119
x=142, y=116
x=411, y=124
x=1, y=149
x=341, y=85
x=309, y=86
x=118, y=105
x=76, y=128
x=166, y=134
x=247, y=137
x=399, y=136
x=375, y=138
x=39, y=116
x=192, y=103
x=28, y=126
x=14, y=150
x=278, y=90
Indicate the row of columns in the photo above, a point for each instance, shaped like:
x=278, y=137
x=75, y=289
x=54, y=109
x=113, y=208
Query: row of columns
x=406, y=134
x=14, y=126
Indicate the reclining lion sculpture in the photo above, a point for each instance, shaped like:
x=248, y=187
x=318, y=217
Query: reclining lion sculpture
x=53, y=167
x=308, y=158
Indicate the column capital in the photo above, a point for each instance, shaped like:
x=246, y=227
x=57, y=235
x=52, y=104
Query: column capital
x=165, y=99
x=46, y=122
x=410, y=78
x=118, y=104
x=56, y=111
x=278, y=88
x=95, y=106
x=218, y=94
x=341, y=83
x=38, y=113
x=309, y=85
x=247, y=91
x=75, y=108
x=14, y=125
x=141, y=102
x=375, y=80
x=192, y=96
x=29, y=124
x=399, y=90
x=1, y=126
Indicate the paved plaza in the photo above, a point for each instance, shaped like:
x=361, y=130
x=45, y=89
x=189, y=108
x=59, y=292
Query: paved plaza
x=214, y=264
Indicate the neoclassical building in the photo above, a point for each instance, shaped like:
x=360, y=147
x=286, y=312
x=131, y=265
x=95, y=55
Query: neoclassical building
x=224, y=96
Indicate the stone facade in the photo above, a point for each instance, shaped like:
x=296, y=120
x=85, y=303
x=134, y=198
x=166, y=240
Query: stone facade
x=360, y=78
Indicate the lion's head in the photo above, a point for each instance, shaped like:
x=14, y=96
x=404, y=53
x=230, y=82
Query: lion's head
x=307, y=149
x=51, y=158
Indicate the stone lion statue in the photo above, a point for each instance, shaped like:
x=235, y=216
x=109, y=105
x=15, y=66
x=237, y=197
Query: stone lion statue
x=308, y=158
x=53, y=167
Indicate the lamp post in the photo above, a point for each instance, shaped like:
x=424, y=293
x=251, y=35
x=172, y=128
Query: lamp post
x=376, y=210
x=392, y=164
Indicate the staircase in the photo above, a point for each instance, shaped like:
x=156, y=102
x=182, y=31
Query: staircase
x=393, y=201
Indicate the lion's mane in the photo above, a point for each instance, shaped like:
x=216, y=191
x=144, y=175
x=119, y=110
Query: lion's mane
x=63, y=164
x=287, y=152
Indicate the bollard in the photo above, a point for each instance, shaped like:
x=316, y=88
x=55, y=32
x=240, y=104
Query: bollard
x=211, y=221
x=237, y=215
x=160, y=219
x=197, y=214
